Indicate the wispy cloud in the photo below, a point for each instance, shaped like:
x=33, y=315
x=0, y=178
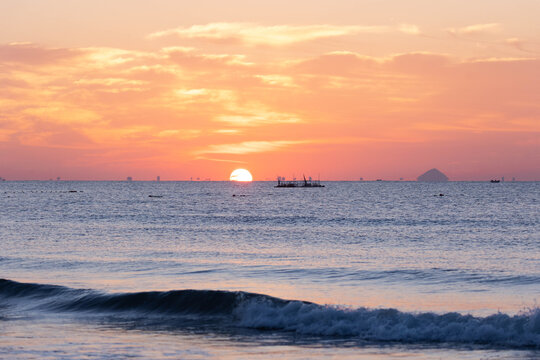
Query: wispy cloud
x=113, y=85
x=33, y=54
x=101, y=57
x=523, y=45
x=259, y=118
x=254, y=34
x=189, y=58
x=62, y=113
x=222, y=160
x=248, y=147
x=277, y=80
x=179, y=134
x=409, y=29
x=477, y=29
x=515, y=43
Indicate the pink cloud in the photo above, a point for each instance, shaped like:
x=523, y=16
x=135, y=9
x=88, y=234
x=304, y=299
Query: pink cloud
x=477, y=29
x=32, y=54
x=105, y=106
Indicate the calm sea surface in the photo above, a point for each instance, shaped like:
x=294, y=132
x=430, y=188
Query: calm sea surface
x=198, y=270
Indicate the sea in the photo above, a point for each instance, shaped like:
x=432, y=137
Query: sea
x=224, y=270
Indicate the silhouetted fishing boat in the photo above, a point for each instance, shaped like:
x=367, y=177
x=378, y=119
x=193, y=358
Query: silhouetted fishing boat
x=495, y=181
x=282, y=183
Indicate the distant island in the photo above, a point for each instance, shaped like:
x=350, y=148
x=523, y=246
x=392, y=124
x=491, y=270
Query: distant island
x=433, y=175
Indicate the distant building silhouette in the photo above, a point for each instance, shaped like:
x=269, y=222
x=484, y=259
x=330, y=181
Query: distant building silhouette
x=433, y=175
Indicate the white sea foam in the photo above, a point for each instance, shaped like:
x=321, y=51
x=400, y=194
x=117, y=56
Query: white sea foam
x=521, y=330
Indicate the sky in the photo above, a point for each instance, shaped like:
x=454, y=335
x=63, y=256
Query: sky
x=342, y=89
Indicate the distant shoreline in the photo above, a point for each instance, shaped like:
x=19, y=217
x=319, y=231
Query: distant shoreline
x=262, y=181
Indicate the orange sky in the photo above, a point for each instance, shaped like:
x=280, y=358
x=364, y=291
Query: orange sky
x=345, y=89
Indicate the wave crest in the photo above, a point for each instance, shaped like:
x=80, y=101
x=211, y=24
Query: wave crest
x=500, y=329
x=264, y=312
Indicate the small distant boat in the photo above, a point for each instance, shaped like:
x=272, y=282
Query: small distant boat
x=494, y=181
x=282, y=183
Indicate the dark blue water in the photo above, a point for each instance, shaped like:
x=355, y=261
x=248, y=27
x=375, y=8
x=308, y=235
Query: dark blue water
x=229, y=270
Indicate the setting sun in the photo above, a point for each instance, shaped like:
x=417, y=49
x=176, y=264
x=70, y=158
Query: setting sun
x=241, y=175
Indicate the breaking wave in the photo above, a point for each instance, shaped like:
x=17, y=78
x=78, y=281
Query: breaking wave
x=263, y=312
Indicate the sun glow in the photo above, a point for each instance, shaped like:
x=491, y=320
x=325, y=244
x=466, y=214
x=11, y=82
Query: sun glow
x=241, y=175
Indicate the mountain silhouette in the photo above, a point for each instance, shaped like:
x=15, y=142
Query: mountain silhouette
x=433, y=175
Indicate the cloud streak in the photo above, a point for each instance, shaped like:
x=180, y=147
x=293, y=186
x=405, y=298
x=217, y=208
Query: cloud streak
x=254, y=34
x=250, y=147
x=32, y=54
x=477, y=29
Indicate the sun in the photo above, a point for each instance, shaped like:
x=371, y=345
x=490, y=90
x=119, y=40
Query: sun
x=241, y=175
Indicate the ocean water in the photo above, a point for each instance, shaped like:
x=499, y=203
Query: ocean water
x=220, y=270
